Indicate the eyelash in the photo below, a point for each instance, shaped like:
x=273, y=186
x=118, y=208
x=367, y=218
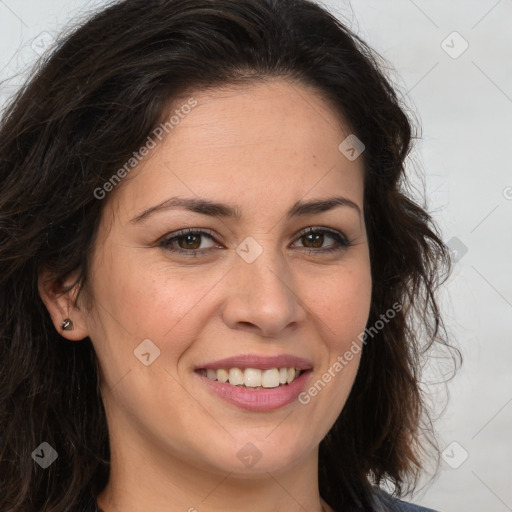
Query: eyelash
x=342, y=241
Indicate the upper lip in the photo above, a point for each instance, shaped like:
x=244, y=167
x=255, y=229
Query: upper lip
x=257, y=361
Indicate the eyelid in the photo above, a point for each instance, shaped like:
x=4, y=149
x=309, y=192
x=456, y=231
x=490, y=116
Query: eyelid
x=188, y=231
x=342, y=241
x=320, y=229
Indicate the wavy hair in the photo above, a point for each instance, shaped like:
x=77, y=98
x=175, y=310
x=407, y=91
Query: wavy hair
x=87, y=106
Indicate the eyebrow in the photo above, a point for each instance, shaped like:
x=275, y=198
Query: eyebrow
x=215, y=209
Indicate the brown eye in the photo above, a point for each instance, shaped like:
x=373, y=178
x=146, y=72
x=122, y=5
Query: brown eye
x=315, y=238
x=189, y=242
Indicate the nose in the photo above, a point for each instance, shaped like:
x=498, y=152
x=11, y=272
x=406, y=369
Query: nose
x=262, y=296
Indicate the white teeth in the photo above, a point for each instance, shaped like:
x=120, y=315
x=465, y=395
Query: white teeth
x=253, y=377
x=236, y=376
x=222, y=376
x=270, y=378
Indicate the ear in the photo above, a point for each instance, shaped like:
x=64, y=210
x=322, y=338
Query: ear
x=61, y=305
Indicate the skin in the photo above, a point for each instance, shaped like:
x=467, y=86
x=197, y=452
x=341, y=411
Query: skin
x=174, y=444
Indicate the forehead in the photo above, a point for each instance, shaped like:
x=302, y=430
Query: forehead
x=277, y=140
x=276, y=114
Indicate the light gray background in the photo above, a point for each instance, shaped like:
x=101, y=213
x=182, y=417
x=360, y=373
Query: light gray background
x=465, y=108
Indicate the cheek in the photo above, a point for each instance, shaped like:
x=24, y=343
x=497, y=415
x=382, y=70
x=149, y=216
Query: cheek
x=341, y=309
x=343, y=304
x=158, y=302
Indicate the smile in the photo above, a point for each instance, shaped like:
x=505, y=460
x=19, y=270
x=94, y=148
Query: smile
x=253, y=378
x=254, y=389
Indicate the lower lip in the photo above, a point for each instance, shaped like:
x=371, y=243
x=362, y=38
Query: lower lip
x=259, y=399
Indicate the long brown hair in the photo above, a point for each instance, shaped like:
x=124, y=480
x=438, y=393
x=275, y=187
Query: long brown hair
x=87, y=107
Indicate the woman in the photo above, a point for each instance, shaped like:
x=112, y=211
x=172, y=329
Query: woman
x=211, y=269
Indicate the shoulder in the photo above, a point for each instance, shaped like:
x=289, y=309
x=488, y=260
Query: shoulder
x=384, y=502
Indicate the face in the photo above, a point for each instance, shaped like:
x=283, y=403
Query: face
x=264, y=276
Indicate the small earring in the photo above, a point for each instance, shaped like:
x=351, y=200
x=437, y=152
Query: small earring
x=67, y=325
